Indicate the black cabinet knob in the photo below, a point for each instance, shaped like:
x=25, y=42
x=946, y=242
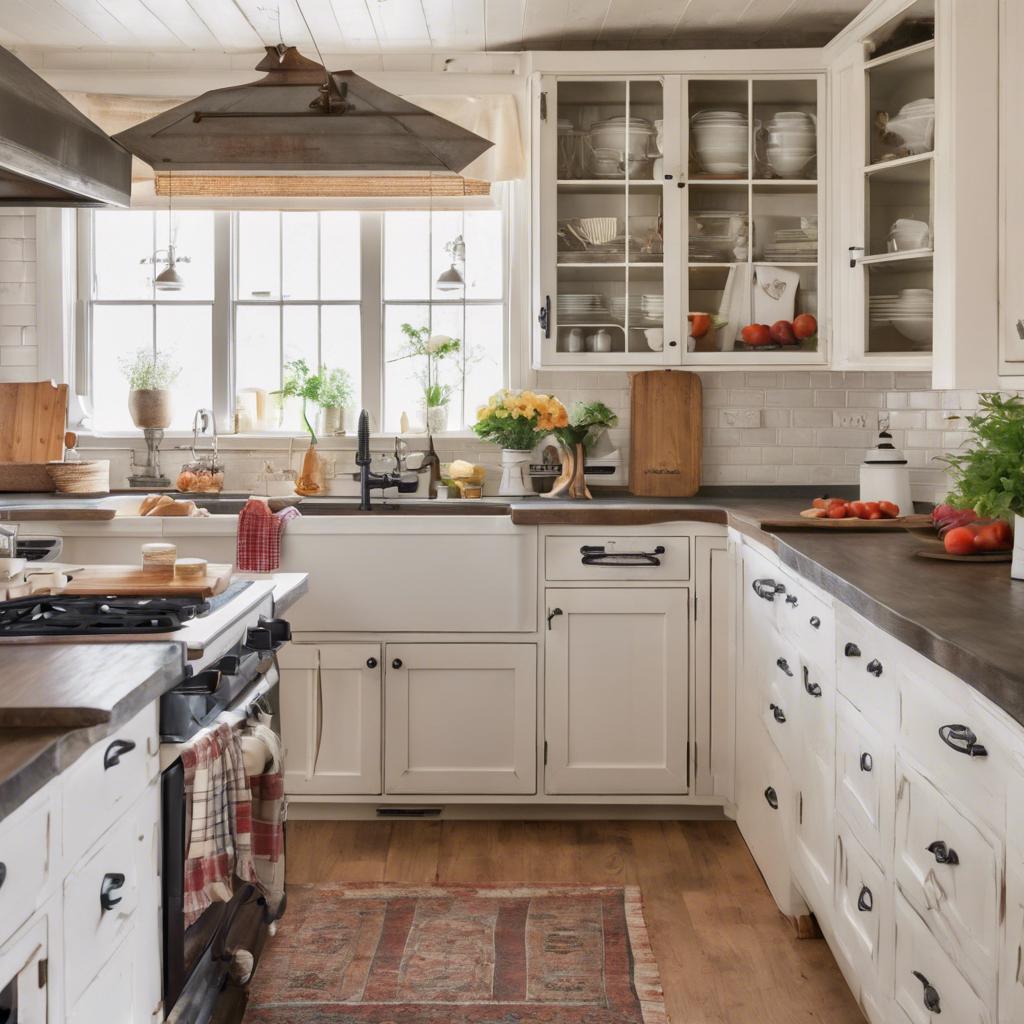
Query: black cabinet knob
x=371, y=662
x=815, y=622
x=792, y=599
x=673, y=344
x=772, y=797
x=867, y=762
x=874, y=666
x=865, y=900
x=397, y=663
x=931, y=995
x=777, y=713
x=851, y=650
x=112, y=755
x=784, y=665
x=112, y=881
x=942, y=853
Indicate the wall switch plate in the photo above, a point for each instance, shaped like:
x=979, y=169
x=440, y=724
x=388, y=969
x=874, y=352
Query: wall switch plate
x=851, y=419
x=745, y=418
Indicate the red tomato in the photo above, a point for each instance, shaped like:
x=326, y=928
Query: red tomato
x=839, y=511
x=805, y=326
x=871, y=507
x=960, y=541
x=699, y=324
x=756, y=334
x=875, y=515
x=995, y=536
x=857, y=509
x=781, y=333
x=820, y=503
x=889, y=509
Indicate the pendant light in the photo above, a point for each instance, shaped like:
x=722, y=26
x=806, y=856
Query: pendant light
x=168, y=280
x=451, y=280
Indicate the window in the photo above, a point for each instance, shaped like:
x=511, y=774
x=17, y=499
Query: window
x=264, y=288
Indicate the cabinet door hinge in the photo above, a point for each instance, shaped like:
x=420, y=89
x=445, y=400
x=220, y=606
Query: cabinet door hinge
x=543, y=106
x=44, y=972
x=545, y=751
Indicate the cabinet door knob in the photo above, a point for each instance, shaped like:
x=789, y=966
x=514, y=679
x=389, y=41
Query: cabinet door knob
x=777, y=713
x=792, y=599
x=371, y=662
x=553, y=614
x=851, y=650
x=112, y=755
x=815, y=622
x=397, y=663
x=772, y=797
x=865, y=900
x=874, y=666
x=784, y=665
x=867, y=762
x=963, y=740
x=112, y=881
x=931, y=995
x=942, y=853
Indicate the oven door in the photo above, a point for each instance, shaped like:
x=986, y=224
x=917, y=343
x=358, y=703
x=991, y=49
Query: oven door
x=198, y=959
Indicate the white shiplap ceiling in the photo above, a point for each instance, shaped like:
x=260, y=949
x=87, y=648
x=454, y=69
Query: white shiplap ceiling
x=378, y=26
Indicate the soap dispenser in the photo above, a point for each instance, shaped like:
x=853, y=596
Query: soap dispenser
x=885, y=475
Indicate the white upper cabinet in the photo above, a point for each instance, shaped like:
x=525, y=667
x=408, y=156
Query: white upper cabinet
x=671, y=212
x=1011, y=198
x=915, y=157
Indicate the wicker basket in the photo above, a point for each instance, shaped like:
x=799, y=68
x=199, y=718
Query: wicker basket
x=25, y=477
x=81, y=477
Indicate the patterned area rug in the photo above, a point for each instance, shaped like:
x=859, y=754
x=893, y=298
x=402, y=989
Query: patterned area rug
x=387, y=954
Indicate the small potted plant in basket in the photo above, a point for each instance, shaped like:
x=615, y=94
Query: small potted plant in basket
x=150, y=376
x=517, y=420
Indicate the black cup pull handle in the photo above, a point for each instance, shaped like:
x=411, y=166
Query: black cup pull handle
x=874, y=666
x=112, y=881
x=112, y=755
x=867, y=762
x=963, y=740
x=815, y=622
x=777, y=713
x=814, y=689
x=371, y=662
x=931, y=995
x=851, y=650
x=772, y=797
x=942, y=853
x=784, y=665
x=865, y=901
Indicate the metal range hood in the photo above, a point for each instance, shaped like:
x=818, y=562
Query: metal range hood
x=50, y=153
x=300, y=117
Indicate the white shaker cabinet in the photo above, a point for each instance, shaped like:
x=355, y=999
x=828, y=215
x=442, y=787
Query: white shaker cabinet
x=616, y=683
x=331, y=717
x=24, y=963
x=460, y=718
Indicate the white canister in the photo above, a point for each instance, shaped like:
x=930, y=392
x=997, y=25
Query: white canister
x=603, y=341
x=1017, y=565
x=885, y=475
x=574, y=342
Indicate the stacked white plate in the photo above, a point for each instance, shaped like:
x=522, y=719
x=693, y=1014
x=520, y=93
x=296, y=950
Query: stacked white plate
x=618, y=306
x=792, y=143
x=581, y=307
x=909, y=313
x=653, y=307
x=792, y=245
x=720, y=139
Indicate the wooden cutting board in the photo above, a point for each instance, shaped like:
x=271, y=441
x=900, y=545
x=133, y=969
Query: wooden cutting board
x=32, y=421
x=800, y=523
x=133, y=581
x=666, y=434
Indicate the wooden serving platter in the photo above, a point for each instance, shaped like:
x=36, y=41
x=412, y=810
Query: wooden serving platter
x=133, y=581
x=801, y=523
x=937, y=551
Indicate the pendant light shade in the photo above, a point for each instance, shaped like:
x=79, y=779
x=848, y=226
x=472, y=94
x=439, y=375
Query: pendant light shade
x=169, y=280
x=449, y=280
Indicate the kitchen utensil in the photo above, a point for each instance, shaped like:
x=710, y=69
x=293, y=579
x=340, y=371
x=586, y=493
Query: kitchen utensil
x=32, y=421
x=666, y=433
x=131, y=580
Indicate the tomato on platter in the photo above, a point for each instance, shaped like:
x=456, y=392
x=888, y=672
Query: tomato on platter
x=889, y=509
x=857, y=509
x=960, y=541
x=994, y=536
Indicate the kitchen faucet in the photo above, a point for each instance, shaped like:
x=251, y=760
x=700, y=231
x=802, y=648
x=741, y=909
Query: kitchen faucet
x=369, y=480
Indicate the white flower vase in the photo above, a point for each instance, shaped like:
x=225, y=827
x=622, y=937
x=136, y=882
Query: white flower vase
x=1017, y=565
x=436, y=417
x=515, y=473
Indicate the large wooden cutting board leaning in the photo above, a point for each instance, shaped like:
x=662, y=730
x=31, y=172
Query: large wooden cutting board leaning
x=666, y=434
x=133, y=581
x=32, y=421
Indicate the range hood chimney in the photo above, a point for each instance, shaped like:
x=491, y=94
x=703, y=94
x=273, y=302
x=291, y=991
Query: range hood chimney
x=301, y=117
x=50, y=153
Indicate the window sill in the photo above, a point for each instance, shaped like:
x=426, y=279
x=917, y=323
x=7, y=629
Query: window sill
x=270, y=440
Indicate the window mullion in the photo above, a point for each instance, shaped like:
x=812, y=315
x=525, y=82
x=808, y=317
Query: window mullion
x=223, y=321
x=371, y=315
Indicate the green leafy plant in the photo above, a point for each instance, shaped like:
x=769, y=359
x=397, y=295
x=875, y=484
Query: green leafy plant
x=519, y=419
x=148, y=372
x=587, y=421
x=988, y=475
x=434, y=349
x=328, y=389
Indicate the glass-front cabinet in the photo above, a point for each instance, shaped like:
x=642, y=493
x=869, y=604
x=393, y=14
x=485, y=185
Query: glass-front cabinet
x=677, y=221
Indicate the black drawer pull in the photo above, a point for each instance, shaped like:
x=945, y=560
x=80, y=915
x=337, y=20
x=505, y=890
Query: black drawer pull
x=594, y=554
x=767, y=589
x=554, y=613
x=942, y=853
x=962, y=740
x=792, y=599
x=875, y=667
x=784, y=665
x=867, y=762
x=814, y=689
x=112, y=881
x=3, y=873
x=772, y=797
x=371, y=662
x=931, y=995
x=112, y=755
x=865, y=901
x=777, y=713
x=815, y=622
x=851, y=650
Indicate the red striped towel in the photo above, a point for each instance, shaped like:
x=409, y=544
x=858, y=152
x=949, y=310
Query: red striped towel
x=218, y=820
x=259, y=536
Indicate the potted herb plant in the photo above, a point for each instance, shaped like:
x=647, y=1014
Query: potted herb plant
x=335, y=400
x=150, y=377
x=988, y=475
x=517, y=420
x=433, y=349
x=587, y=421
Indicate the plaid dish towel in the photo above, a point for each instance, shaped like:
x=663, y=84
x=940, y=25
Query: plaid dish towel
x=218, y=820
x=259, y=536
x=269, y=811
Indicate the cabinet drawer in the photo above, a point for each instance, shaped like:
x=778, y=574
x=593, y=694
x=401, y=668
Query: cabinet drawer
x=107, y=779
x=780, y=705
x=807, y=620
x=927, y=977
x=122, y=866
x=865, y=783
x=22, y=957
x=111, y=996
x=27, y=840
x=864, y=912
x=950, y=870
x=866, y=670
x=617, y=557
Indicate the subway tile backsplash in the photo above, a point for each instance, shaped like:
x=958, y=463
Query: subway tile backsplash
x=18, y=355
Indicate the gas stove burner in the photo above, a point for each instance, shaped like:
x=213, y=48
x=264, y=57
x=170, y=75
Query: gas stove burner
x=96, y=616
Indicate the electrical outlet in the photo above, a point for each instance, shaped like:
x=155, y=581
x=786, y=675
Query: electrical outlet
x=851, y=419
x=745, y=418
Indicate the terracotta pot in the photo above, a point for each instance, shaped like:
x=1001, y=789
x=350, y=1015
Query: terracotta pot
x=312, y=479
x=150, y=408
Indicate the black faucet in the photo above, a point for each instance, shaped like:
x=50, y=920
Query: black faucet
x=367, y=480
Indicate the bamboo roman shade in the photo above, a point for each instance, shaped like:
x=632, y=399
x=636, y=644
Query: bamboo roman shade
x=314, y=186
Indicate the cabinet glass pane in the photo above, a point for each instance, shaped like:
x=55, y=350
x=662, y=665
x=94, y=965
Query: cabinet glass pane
x=719, y=307
x=901, y=106
x=719, y=129
x=899, y=209
x=785, y=129
x=899, y=314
